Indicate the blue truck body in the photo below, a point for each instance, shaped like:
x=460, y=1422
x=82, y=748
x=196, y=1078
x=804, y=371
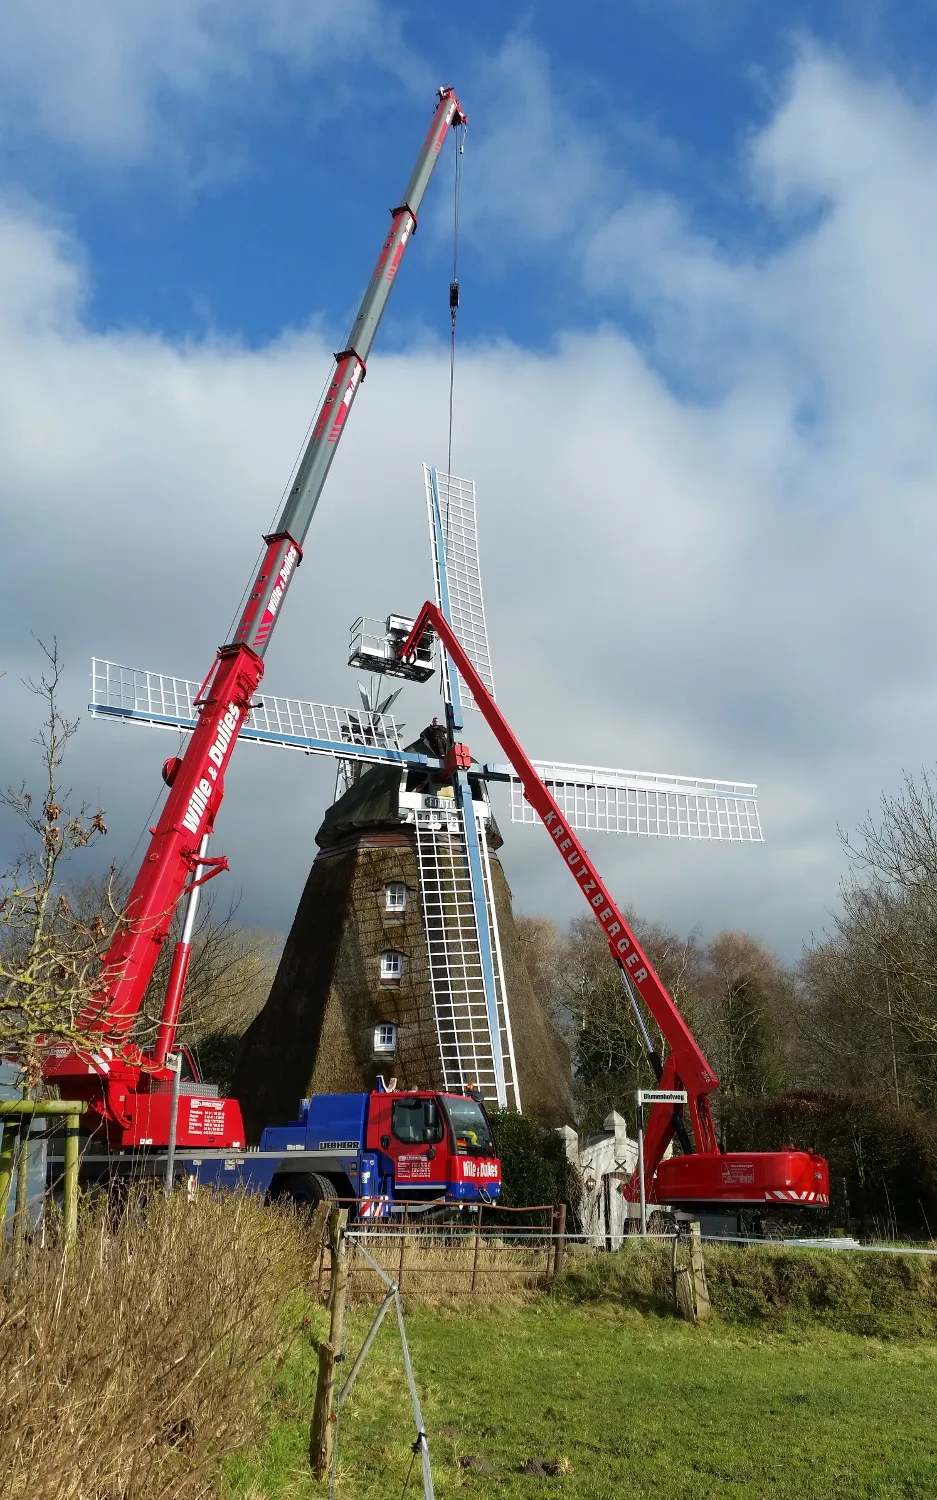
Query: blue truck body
x=331, y=1151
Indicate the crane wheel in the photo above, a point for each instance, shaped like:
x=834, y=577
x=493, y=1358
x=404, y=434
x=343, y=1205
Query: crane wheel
x=305, y=1189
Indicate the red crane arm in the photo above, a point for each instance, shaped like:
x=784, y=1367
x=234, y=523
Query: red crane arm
x=197, y=785
x=686, y=1067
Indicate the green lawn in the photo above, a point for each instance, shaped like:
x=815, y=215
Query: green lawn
x=633, y=1405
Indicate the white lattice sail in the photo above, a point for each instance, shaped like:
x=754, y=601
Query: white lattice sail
x=463, y=576
x=598, y=799
x=463, y=1029
x=155, y=698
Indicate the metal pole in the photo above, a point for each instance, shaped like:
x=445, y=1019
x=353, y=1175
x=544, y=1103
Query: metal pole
x=21, y=1205
x=403, y=1241
x=70, y=1186
x=319, y=1276
x=179, y=968
x=478, y=1240
x=559, y=1248
x=641, y=1166
x=174, y=1061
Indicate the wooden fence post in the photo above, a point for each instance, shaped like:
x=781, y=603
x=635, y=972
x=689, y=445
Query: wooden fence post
x=698, y=1272
x=689, y=1280
x=321, y=1430
x=559, y=1244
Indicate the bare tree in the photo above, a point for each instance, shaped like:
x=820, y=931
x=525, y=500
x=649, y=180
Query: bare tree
x=744, y=996
x=230, y=972
x=608, y=1045
x=50, y=955
x=870, y=990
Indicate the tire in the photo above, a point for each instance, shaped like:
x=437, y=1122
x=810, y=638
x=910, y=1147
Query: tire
x=659, y=1222
x=305, y=1189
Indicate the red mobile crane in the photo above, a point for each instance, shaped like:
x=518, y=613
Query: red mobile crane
x=128, y=1089
x=704, y=1173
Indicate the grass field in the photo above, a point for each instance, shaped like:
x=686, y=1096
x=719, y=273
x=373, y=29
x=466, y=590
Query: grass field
x=620, y=1404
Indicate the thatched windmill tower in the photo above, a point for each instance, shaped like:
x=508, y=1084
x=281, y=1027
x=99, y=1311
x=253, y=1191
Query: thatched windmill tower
x=380, y=956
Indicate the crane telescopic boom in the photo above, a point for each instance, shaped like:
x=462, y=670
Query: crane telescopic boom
x=197, y=779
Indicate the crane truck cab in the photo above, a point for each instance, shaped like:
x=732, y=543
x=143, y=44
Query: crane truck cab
x=386, y=1149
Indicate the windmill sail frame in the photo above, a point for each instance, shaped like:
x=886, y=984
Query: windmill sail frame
x=456, y=948
x=453, y=530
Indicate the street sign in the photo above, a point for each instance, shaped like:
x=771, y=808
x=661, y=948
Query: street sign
x=661, y=1096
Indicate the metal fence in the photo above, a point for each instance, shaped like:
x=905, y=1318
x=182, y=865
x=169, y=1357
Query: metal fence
x=492, y=1241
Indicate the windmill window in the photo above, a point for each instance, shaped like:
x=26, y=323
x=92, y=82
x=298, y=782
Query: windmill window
x=395, y=896
x=391, y=966
x=385, y=1038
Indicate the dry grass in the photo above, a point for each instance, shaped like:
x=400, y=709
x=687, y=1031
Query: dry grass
x=133, y=1374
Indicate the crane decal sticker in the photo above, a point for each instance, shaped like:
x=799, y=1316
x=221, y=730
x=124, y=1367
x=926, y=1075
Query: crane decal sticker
x=602, y=900
x=217, y=755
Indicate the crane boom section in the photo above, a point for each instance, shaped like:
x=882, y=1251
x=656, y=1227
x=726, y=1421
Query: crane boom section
x=688, y=1062
x=284, y=545
x=187, y=816
x=197, y=786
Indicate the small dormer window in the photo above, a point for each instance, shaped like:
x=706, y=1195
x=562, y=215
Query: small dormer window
x=395, y=896
x=391, y=967
x=385, y=1038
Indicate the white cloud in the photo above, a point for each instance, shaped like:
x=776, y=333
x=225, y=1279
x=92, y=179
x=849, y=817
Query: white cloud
x=111, y=77
x=535, y=174
x=738, y=584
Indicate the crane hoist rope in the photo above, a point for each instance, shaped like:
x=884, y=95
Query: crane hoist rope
x=454, y=283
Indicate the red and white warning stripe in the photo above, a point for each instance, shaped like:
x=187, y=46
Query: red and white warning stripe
x=373, y=1208
x=791, y=1195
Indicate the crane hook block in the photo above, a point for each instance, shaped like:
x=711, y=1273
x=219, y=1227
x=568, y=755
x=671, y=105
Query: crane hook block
x=170, y=767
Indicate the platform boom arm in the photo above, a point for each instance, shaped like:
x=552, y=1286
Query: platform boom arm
x=686, y=1066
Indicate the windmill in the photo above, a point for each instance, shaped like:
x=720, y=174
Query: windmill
x=439, y=800
x=463, y=939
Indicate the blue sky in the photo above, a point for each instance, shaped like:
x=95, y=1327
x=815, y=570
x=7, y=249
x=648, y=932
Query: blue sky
x=245, y=199
x=697, y=374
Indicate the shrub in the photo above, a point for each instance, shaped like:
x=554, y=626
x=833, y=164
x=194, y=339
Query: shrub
x=133, y=1374
x=534, y=1167
x=884, y=1295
